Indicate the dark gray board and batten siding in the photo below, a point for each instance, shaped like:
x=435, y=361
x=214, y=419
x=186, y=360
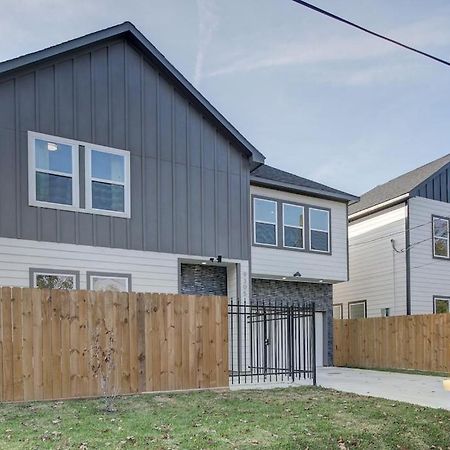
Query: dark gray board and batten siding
x=189, y=185
x=437, y=187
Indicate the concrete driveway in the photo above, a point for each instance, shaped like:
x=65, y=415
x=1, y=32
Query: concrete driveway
x=421, y=390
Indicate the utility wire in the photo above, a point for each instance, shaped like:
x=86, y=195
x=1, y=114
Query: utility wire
x=388, y=235
x=373, y=33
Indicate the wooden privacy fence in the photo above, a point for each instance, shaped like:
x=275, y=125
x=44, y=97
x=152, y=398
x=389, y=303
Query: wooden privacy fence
x=49, y=343
x=398, y=342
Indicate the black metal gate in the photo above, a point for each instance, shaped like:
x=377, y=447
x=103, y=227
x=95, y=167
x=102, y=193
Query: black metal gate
x=271, y=343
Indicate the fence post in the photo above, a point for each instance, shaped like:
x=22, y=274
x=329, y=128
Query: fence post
x=313, y=353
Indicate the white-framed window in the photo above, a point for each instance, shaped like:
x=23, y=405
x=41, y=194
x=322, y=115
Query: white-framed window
x=265, y=222
x=106, y=282
x=54, y=176
x=293, y=226
x=357, y=310
x=441, y=305
x=52, y=279
x=440, y=237
x=338, y=311
x=319, y=230
x=107, y=181
x=53, y=172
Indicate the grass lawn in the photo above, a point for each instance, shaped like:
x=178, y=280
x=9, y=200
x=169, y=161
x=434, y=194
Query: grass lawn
x=294, y=418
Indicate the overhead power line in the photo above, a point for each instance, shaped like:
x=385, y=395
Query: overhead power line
x=378, y=238
x=373, y=33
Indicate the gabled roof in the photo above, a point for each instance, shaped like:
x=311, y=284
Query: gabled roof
x=399, y=186
x=129, y=31
x=268, y=176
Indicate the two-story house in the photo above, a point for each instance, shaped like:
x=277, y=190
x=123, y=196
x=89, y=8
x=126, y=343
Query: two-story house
x=116, y=173
x=399, y=247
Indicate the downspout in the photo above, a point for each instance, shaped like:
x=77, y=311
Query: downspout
x=408, y=265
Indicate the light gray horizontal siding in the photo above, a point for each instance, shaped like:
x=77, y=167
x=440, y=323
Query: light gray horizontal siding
x=270, y=261
x=375, y=275
x=429, y=276
x=189, y=185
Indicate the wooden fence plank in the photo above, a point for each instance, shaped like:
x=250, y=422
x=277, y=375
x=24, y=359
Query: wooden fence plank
x=51, y=342
x=133, y=339
x=65, y=345
x=47, y=363
x=8, y=377
x=83, y=343
x=16, y=305
x=37, y=345
x=27, y=345
x=55, y=306
x=420, y=342
x=74, y=343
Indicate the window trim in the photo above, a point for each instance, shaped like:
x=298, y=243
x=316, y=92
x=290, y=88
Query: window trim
x=262, y=221
x=357, y=302
x=433, y=217
x=440, y=297
x=314, y=208
x=75, y=176
x=34, y=272
x=283, y=204
x=88, y=178
x=341, y=308
x=91, y=274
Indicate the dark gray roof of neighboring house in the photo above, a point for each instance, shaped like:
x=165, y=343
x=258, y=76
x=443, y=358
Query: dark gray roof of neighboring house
x=403, y=184
x=128, y=30
x=272, y=177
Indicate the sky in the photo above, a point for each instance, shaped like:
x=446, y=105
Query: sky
x=317, y=98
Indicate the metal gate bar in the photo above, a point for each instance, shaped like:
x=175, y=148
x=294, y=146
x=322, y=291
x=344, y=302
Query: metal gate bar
x=271, y=343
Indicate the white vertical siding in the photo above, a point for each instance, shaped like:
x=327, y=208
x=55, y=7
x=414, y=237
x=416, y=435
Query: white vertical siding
x=377, y=273
x=429, y=276
x=275, y=262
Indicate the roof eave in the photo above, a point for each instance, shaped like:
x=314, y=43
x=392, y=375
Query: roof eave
x=129, y=29
x=288, y=187
x=379, y=207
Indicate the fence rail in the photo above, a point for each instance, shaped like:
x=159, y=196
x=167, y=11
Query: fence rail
x=160, y=341
x=420, y=342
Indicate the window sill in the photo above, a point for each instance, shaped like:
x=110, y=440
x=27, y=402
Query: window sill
x=72, y=208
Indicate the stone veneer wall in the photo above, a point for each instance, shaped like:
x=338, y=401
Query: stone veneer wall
x=196, y=279
x=289, y=292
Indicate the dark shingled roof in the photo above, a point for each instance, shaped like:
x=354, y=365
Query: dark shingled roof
x=285, y=179
x=398, y=186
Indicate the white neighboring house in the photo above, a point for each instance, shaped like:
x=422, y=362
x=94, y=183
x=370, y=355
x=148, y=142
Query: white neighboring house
x=399, y=256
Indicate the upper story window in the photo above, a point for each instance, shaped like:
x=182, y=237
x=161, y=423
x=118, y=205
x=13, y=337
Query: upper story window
x=107, y=180
x=53, y=172
x=440, y=237
x=265, y=222
x=293, y=226
x=54, y=176
x=319, y=230
x=301, y=227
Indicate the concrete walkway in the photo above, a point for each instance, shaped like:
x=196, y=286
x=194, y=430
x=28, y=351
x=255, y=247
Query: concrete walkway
x=421, y=390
